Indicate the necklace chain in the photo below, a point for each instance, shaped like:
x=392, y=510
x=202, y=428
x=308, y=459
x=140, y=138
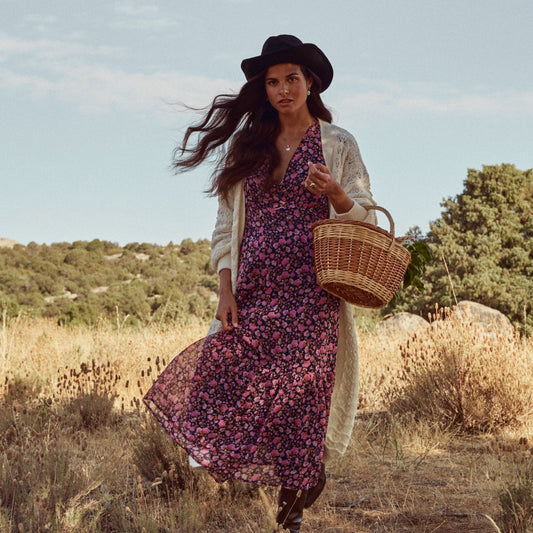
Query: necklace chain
x=287, y=145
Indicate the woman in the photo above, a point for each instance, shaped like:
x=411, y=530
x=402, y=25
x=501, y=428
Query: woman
x=251, y=401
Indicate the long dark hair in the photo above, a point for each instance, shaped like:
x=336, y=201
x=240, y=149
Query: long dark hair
x=240, y=130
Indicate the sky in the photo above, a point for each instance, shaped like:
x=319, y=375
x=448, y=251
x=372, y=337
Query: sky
x=91, y=94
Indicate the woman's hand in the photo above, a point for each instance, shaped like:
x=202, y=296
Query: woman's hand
x=320, y=181
x=227, y=306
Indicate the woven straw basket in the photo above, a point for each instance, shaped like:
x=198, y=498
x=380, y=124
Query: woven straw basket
x=359, y=262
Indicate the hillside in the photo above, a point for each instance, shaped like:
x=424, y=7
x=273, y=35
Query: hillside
x=83, y=281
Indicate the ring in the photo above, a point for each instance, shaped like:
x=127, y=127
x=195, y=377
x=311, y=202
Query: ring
x=311, y=185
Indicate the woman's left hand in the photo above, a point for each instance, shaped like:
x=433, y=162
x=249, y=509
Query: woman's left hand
x=318, y=179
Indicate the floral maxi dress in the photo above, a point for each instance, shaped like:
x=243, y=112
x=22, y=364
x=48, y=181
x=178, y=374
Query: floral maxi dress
x=253, y=404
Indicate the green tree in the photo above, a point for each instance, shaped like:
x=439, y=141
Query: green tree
x=96, y=245
x=483, y=246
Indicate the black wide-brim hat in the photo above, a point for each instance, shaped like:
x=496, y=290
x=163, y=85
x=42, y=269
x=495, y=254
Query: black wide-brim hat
x=289, y=49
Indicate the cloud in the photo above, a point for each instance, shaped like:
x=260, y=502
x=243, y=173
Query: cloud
x=128, y=9
x=396, y=99
x=77, y=73
x=43, y=49
x=97, y=88
x=139, y=17
x=37, y=18
x=86, y=76
x=39, y=22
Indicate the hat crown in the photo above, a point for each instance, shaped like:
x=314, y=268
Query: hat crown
x=289, y=49
x=278, y=43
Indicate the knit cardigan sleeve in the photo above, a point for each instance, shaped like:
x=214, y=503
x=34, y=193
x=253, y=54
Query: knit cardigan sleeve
x=221, y=239
x=228, y=232
x=344, y=161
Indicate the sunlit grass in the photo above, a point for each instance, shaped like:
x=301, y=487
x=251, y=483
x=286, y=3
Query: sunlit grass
x=78, y=453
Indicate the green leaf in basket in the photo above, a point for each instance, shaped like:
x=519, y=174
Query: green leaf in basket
x=420, y=258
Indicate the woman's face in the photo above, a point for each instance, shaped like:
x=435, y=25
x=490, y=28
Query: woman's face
x=286, y=87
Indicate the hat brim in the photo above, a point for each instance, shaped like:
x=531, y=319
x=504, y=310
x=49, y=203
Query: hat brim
x=307, y=54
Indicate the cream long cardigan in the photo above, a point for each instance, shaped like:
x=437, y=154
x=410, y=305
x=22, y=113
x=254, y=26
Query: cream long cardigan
x=343, y=159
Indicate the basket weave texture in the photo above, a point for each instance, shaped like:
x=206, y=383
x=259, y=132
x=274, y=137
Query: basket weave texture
x=359, y=262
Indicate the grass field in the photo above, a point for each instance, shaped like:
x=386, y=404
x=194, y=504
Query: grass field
x=442, y=443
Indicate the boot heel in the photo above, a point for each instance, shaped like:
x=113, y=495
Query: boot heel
x=290, y=509
x=316, y=491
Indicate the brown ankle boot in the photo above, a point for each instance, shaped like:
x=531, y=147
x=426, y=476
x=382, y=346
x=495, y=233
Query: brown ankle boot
x=291, y=509
x=314, y=492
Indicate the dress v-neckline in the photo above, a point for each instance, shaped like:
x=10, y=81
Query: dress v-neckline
x=294, y=153
x=288, y=165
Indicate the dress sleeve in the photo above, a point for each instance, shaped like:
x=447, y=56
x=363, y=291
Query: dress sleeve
x=353, y=177
x=221, y=238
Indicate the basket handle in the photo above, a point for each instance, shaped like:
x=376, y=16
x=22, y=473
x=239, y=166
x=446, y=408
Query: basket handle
x=391, y=222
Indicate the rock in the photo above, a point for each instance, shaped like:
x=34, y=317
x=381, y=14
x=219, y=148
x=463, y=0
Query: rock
x=401, y=323
x=7, y=243
x=487, y=317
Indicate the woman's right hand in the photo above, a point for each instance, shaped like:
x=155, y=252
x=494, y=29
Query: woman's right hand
x=227, y=311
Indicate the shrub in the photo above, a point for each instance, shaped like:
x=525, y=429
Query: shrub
x=96, y=245
x=459, y=375
x=92, y=410
x=77, y=314
x=89, y=394
x=20, y=389
x=9, y=306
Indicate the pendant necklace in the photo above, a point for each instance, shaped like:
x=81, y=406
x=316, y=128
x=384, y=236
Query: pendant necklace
x=287, y=146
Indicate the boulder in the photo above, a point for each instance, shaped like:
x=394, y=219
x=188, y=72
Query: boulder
x=401, y=323
x=482, y=315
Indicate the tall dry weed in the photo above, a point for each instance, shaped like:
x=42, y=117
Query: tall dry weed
x=516, y=500
x=38, y=469
x=380, y=363
x=160, y=461
x=461, y=375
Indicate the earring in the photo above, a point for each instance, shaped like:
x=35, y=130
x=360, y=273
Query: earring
x=308, y=92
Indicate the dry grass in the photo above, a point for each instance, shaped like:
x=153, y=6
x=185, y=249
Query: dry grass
x=78, y=453
x=460, y=375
